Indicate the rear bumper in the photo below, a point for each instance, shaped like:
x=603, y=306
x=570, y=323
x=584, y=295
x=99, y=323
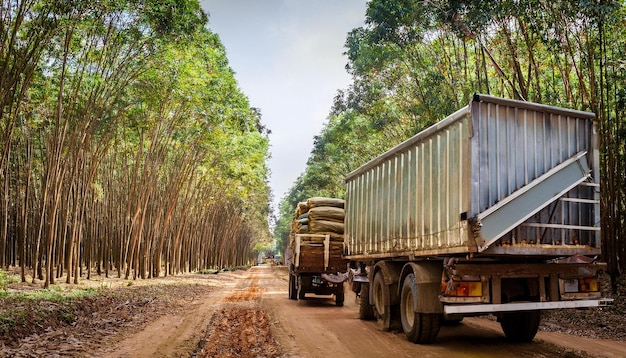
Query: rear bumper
x=524, y=306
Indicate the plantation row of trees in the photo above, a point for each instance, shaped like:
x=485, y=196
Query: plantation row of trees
x=126, y=144
x=417, y=61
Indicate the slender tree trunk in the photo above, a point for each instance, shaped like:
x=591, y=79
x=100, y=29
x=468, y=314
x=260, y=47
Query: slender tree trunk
x=5, y=217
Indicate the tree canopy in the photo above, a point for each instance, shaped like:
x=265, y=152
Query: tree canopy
x=415, y=62
x=127, y=144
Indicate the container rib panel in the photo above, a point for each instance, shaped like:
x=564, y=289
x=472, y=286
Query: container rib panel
x=415, y=198
x=521, y=205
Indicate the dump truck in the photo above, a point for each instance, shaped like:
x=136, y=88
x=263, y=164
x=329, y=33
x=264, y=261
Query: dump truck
x=316, y=248
x=495, y=210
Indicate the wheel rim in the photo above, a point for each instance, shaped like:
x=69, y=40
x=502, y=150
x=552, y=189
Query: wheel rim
x=378, y=298
x=409, y=310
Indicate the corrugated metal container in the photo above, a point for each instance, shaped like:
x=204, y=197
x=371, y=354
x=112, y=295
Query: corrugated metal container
x=498, y=177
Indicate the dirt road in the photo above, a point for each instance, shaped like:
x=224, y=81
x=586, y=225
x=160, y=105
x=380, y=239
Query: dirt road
x=252, y=311
x=314, y=327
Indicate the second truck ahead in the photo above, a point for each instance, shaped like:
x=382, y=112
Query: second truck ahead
x=315, y=253
x=494, y=210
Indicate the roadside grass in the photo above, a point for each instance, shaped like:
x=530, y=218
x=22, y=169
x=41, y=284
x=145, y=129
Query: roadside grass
x=5, y=280
x=25, y=310
x=215, y=271
x=107, y=303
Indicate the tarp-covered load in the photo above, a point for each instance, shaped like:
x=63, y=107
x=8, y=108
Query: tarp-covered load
x=326, y=226
x=328, y=213
x=319, y=216
x=320, y=201
x=302, y=208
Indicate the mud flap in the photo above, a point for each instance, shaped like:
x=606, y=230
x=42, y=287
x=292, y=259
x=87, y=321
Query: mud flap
x=337, y=278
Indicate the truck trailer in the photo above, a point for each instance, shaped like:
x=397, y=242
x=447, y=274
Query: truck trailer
x=493, y=210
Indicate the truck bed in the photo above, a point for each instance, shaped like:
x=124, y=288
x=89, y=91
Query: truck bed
x=497, y=177
x=315, y=253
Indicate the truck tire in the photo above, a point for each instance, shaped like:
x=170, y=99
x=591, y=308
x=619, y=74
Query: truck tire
x=366, y=311
x=382, y=310
x=301, y=292
x=520, y=326
x=339, y=298
x=421, y=328
x=293, y=291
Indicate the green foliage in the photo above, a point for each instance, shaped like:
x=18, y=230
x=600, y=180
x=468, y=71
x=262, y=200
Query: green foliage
x=38, y=308
x=235, y=268
x=53, y=294
x=208, y=271
x=6, y=279
x=416, y=62
x=112, y=108
x=179, y=17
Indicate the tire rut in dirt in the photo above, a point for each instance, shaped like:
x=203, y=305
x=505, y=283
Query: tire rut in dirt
x=240, y=328
x=239, y=332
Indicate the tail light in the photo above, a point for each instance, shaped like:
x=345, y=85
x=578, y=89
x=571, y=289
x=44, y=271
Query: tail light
x=462, y=288
x=587, y=284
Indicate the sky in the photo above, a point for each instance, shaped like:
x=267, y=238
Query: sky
x=288, y=59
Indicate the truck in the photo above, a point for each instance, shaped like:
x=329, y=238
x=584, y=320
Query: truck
x=495, y=210
x=315, y=252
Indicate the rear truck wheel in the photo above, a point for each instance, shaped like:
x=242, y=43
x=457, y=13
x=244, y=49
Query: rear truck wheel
x=520, y=326
x=339, y=296
x=420, y=328
x=301, y=291
x=366, y=311
x=293, y=292
x=382, y=310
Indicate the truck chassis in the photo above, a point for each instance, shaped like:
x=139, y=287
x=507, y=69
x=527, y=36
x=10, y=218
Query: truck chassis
x=418, y=296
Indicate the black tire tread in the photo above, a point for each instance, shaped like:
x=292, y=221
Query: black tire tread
x=426, y=325
x=366, y=311
x=383, y=318
x=520, y=326
x=293, y=293
x=339, y=298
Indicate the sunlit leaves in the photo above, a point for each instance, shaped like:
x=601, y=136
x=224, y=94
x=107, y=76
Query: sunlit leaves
x=131, y=123
x=415, y=62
